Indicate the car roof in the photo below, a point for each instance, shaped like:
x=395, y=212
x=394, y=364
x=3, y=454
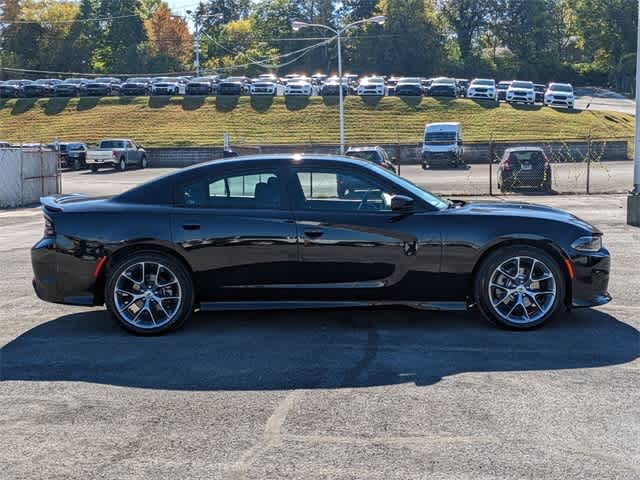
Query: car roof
x=443, y=124
x=524, y=149
x=363, y=149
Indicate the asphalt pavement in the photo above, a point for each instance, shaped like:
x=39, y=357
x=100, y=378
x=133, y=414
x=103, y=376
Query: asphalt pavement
x=594, y=98
x=347, y=394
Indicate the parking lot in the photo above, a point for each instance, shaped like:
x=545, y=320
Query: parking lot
x=377, y=394
x=605, y=177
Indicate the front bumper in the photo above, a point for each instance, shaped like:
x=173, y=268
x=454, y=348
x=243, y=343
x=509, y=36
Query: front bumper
x=591, y=282
x=61, y=276
x=439, y=158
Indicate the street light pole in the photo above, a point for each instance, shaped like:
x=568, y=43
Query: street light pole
x=633, y=200
x=196, y=45
x=340, y=94
x=297, y=25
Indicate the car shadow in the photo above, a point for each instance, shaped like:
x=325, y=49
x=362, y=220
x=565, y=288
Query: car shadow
x=87, y=103
x=371, y=101
x=331, y=100
x=226, y=103
x=127, y=99
x=55, y=105
x=312, y=349
x=23, y=105
x=193, y=102
x=411, y=100
x=523, y=106
x=485, y=103
x=261, y=103
x=159, y=101
x=296, y=102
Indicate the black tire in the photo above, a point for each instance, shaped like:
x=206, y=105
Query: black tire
x=181, y=274
x=76, y=164
x=122, y=164
x=143, y=162
x=496, y=259
x=94, y=168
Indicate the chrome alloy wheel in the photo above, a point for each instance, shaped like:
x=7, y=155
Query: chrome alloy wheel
x=522, y=290
x=147, y=295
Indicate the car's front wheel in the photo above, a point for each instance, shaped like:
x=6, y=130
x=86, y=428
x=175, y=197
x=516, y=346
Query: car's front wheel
x=149, y=293
x=519, y=287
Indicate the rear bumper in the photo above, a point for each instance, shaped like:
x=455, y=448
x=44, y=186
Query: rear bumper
x=62, y=277
x=591, y=282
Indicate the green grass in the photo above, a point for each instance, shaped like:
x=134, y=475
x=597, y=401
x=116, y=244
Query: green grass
x=199, y=121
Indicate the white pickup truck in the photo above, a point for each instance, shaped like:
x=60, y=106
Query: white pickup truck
x=118, y=153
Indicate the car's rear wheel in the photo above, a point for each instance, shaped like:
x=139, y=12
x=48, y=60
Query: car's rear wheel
x=122, y=164
x=144, y=162
x=519, y=287
x=149, y=293
x=94, y=168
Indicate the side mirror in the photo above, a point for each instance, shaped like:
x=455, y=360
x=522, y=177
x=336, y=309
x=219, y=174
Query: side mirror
x=394, y=159
x=401, y=203
x=139, y=147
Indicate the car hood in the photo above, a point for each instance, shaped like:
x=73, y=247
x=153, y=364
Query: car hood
x=524, y=209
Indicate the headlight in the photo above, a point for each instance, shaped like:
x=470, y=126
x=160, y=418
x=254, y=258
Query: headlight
x=590, y=243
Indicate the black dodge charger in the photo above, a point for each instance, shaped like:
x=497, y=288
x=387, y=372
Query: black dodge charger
x=277, y=232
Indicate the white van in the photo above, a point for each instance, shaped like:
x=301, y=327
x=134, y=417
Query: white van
x=442, y=145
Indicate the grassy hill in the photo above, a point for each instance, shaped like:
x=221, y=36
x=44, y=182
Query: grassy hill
x=197, y=121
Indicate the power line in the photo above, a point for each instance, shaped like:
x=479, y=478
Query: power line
x=75, y=20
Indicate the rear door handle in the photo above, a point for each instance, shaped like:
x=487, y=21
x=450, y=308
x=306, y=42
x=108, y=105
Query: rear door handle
x=313, y=233
x=191, y=226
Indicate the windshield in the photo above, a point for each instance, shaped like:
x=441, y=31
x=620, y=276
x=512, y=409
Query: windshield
x=560, y=88
x=369, y=155
x=504, y=85
x=527, y=85
x=103, y=80
x=483, y=83
x=137, y=80
x=409, y=81
x=164, y=80
x=73, y=81
x=440, y=137
x=424, y=195
x=201, y=80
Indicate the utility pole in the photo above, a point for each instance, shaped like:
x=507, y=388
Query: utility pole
x=633, y=200
x=197, y=18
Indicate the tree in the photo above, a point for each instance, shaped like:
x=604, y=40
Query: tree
x=169, y=39
x=123, y=36
x=466, y=17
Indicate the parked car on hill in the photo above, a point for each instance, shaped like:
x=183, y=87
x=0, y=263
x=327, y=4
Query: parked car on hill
x=44, y=87
x=332, y=87
x=118, y=153
x=199, y=86
x=13, y=88
x=371, y=86
x=539, y=90
x=409, y=86
x=442, y=145
x=71, y=87
x=73, y=155
x=103, y=87
x=232, y=86
x=273, y=231
x=318, y=79
x=443, y=87
x=301, y=86
x=4, y=144
x=521, y=91
x=559, y=94
x=524, y=167
x=462, y=85
x=167, y=86
x=501, y=89
x=391, y=85
x=263, y=87
x=482, y=88
x=136, y=86
x=377, y=155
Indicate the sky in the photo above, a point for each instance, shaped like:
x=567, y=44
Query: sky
x=179, y=6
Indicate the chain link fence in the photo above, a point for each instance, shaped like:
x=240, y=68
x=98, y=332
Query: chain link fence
x=592, y=164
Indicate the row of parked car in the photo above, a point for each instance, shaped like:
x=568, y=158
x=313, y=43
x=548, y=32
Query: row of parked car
x=556, y=94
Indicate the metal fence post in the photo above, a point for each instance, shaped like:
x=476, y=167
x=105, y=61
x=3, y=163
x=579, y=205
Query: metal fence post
x=589, y=164
x=490, y=154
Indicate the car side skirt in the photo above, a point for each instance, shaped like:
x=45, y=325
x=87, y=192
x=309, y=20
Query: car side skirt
x=304, y=305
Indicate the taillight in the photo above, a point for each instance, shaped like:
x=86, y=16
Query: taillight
x=114, y=154
x=506, y=165
x=49, y=228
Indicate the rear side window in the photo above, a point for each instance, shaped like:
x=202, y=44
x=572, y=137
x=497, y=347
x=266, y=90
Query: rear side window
x=253, y=190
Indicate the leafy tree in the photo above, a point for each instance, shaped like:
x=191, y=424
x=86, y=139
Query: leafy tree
x=169, y=39
x=466, y=17
x=124, y=36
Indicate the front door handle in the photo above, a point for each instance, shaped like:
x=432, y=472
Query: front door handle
x=313, y=233
x=191, y=226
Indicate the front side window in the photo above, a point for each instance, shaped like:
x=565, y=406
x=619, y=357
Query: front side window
x=252, y=190
x=342, y=190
